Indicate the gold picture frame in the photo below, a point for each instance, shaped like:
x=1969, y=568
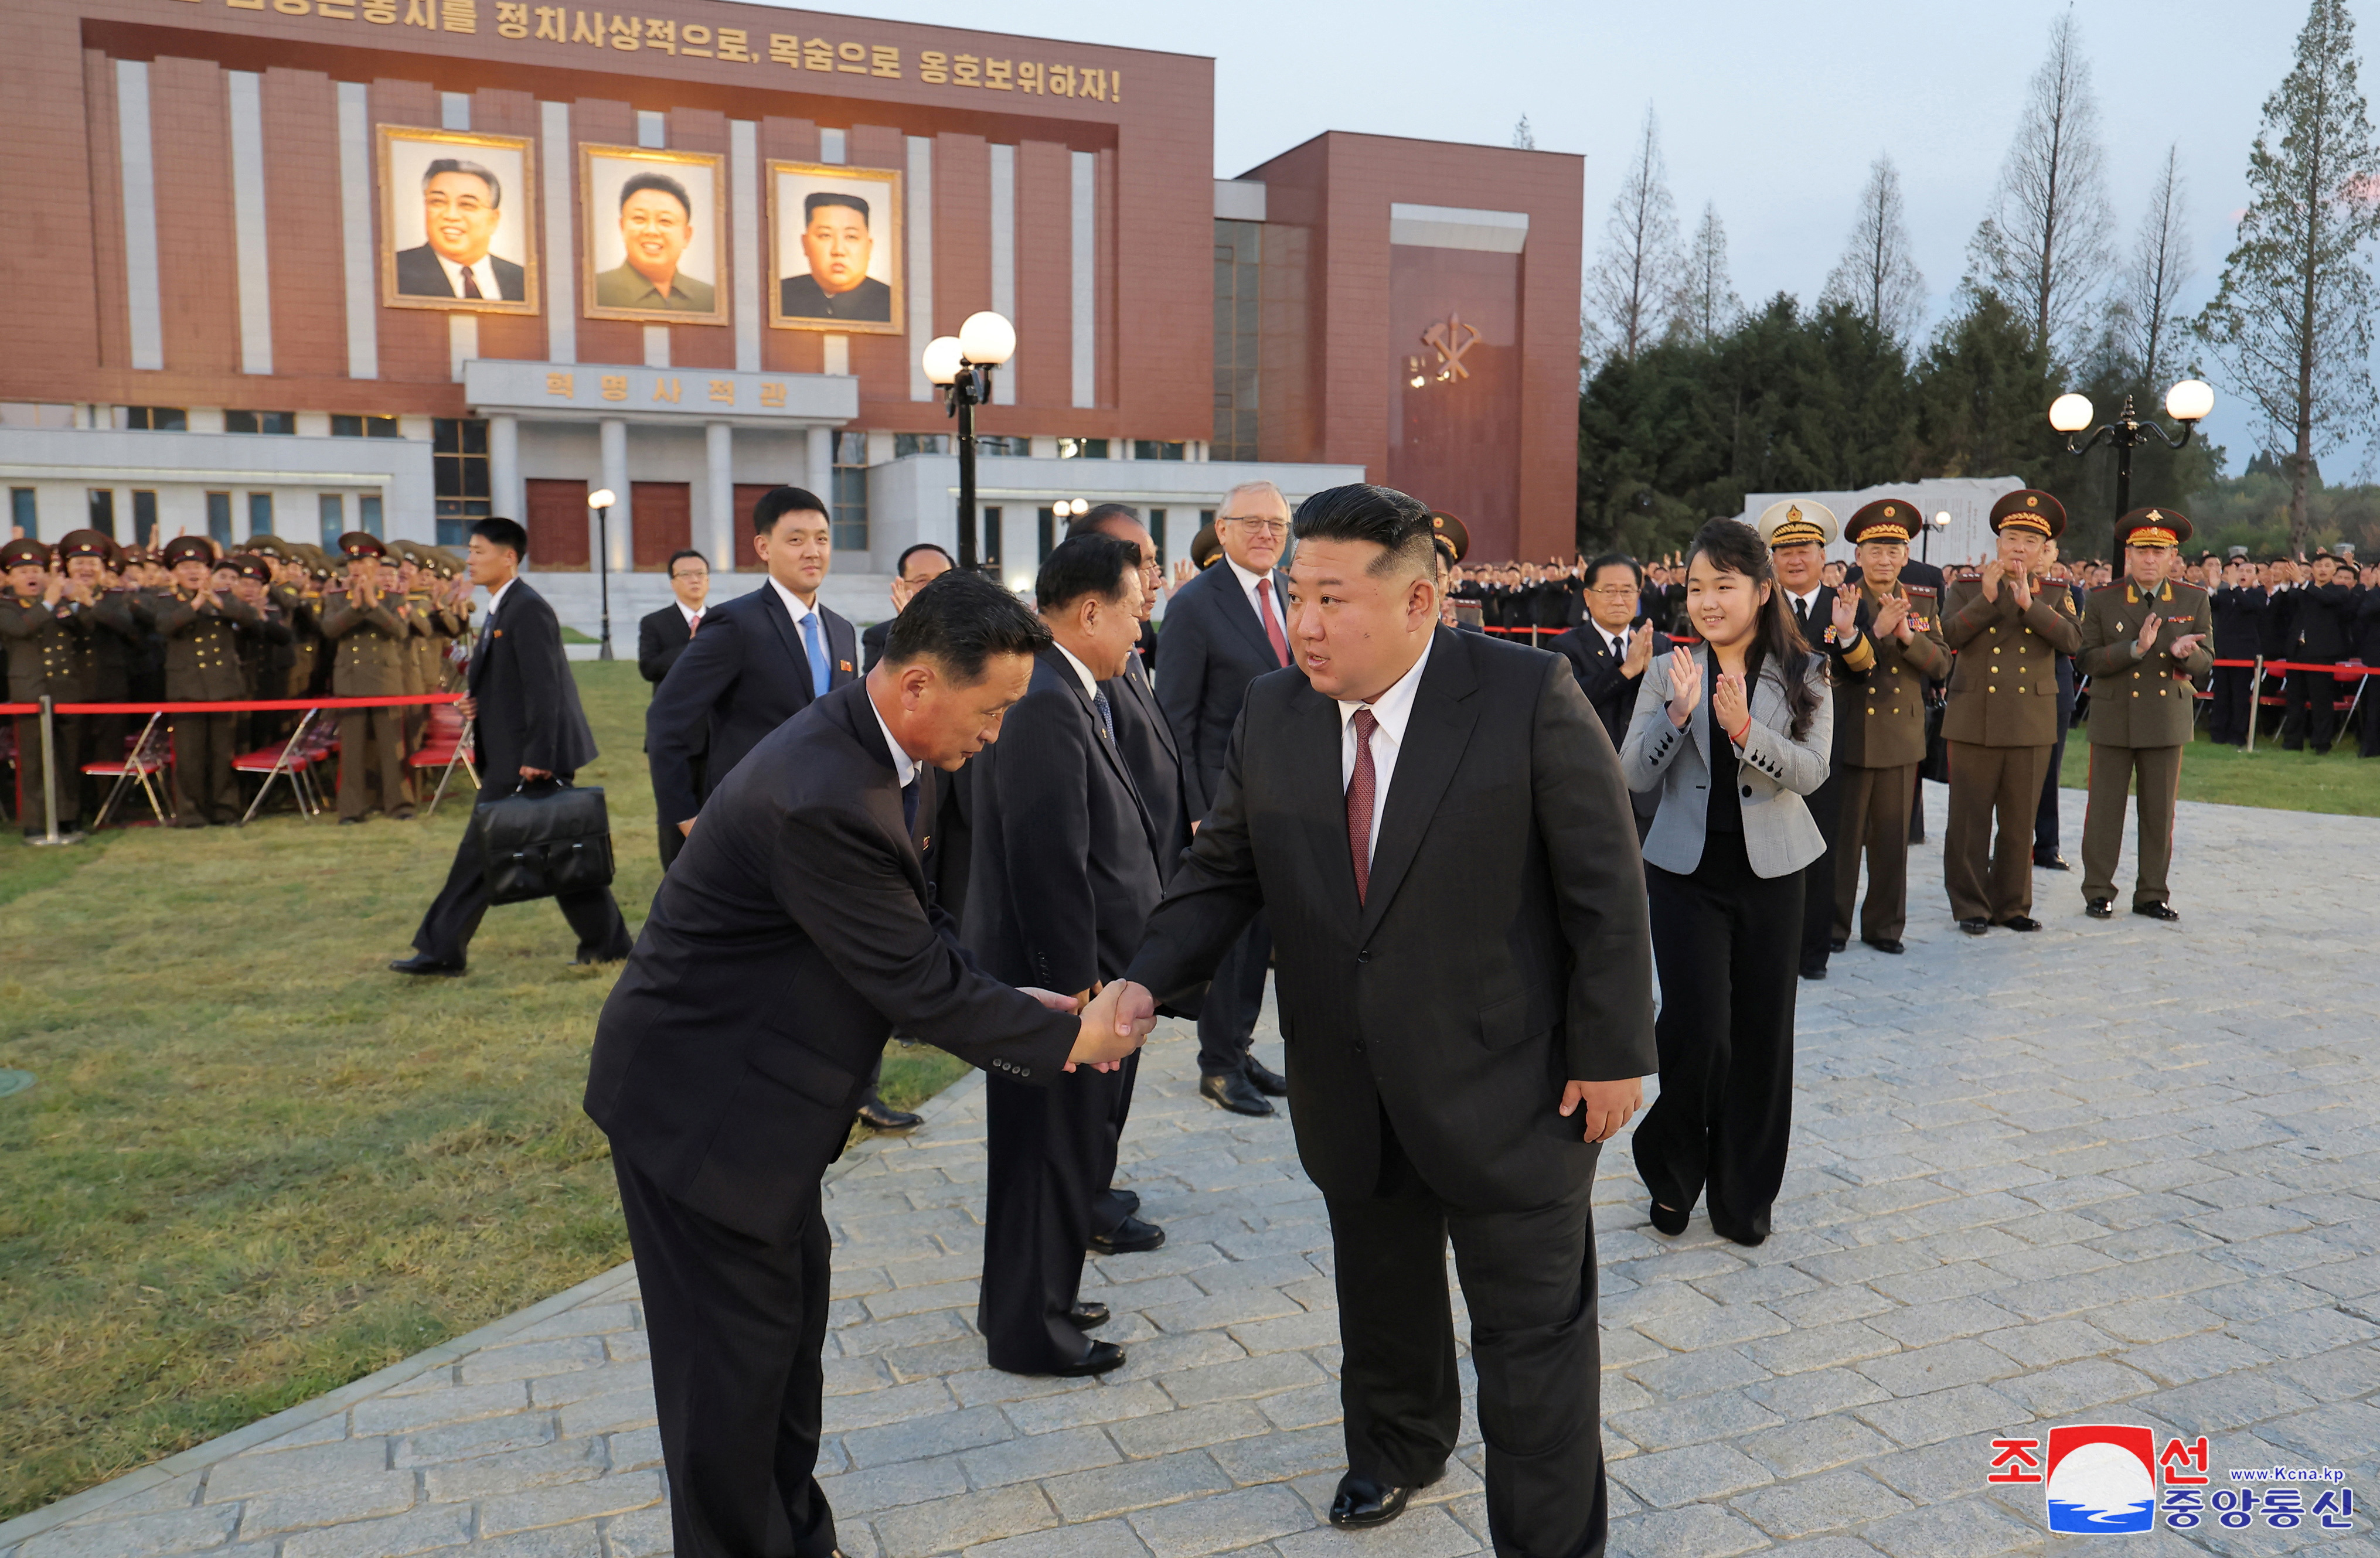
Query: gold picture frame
x=699, y=179
x=411, y=273
x=877, y=305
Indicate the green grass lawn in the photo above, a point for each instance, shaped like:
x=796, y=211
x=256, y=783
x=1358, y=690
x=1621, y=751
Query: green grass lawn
x=2342, y=783
x=257, y=1166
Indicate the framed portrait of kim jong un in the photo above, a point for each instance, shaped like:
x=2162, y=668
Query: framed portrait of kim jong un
x=656, y=240
x=834, y=249
x=458, y=221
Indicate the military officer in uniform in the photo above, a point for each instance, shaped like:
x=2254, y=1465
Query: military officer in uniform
x=200, y=620
x=1889, y=638
x=2146, y=643
x=44, y=629
x=1798, y=532
x=118, y=636
x=2008, y=623
x=371, y=659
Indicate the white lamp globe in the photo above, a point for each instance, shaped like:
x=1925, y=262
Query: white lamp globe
x=940, y=359
x=2071, y=413
x=988, y=339
x=602, y=497
x=2190, y=400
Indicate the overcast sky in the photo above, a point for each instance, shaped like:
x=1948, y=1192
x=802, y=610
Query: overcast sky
x=1773, y=112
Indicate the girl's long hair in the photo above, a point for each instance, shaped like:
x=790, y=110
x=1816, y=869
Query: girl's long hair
x=1735, y=548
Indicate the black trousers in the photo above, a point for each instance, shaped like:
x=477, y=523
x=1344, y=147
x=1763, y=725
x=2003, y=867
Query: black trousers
x=672, y=840
x=2307, y=714
x=69, y=734
x=1529, y=1279
x=1818, y=878
x=1235, y=996
x=454, y=914
x=1107, y=1209
x=2044, y=819
x=204, y=787
x=736, y=1326
x=2234, y=704
x=1724, y=941
x=2368, y=711
x=1047, y=1151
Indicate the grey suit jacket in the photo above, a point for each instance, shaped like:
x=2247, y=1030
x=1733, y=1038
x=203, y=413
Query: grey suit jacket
x=1773, y=772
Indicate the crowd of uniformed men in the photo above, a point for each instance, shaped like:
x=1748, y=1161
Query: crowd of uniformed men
x=87, y=619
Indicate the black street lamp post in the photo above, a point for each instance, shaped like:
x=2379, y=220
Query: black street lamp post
x=601, y=501
x=962, y=365
x=2187, y=403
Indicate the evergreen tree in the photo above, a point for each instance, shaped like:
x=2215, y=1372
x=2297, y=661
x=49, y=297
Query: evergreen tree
x=2292, y=322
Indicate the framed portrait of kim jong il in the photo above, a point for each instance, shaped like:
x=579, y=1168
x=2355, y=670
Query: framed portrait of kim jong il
x=656, y=242
x=834, y=249
x=458, y=221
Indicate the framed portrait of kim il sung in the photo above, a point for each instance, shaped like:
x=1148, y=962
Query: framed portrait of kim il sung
x=458, y=221
x=656, y=241
x=834, y=249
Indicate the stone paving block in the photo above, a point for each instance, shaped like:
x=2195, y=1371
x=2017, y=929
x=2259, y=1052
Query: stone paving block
x=327, y=1503
x=918, y=1438
x=187, y=1530
x=1100, y=1538
x=602, y=1414
x=1970, y=1528
x=1292, y=1332
x=582, y=1541
x=643, y=1533
x=404, y=1414
x=1046, y=1455
x=2306, y=1331
x=1705, y=1530
x=1308, y=1408
x=420, y=1531
x=1800, y=1396
x=572, y=1460
x=1723, y=1415
x=1923, y=1325
x=467, y=1441
x=888, y=1487
x=1926, y=1419
x=1117, y=1489
x=1674, y=1376
x=1167, y=1432
x=1240, y=1379
x=244, y=1475
x=1668, y=1477
x=1223, y=1522
x=1941, y=1473
x=528, y=1360
x=2194, y=1357
x=2057, y=1341
x=1274, y=1458
x=1419, y=1533
x=2340, y=1435
x=1797, y=1449
x=946, y=1524
x=1928, y=1370
x=1813, y=1505
x=1823, y=1346
x=2066, y=1390
x=2333, y=1376
x=635, y=1450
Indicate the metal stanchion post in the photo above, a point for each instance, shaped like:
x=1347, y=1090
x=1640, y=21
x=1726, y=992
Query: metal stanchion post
x=2255, y=700
x=49, y=772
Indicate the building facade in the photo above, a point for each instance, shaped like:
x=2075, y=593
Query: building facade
x=316, y=265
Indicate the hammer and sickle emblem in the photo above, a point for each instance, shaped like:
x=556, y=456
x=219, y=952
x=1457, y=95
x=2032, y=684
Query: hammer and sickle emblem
x=1452, y=338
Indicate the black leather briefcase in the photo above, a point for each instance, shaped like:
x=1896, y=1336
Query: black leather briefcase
x=545, y=838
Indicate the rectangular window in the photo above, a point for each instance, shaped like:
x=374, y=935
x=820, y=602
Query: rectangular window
x=1156, y=534
x=363, y=427
x=1239, y=255
x=260, y=421
x=1152, y=449
x=925, y=443
x=333, y=507
x=260, y=515
x=1046, y=531
x=1014, y=448
x=850, y=496
x=145, y=516
x=25, y=510
x=219, y=515
x=157, y=418
x=1082, y=449
x=367, y=515
x=103, y=511
x=458, y=453
x=987, y=538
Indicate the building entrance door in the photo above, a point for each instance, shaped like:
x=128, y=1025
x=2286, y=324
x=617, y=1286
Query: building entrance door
x=557, y=524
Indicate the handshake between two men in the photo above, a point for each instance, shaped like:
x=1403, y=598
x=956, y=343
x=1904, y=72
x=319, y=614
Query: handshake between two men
x=1110, y=1033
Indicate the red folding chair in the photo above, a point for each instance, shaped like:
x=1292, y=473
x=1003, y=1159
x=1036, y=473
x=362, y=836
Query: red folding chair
x=145, y=757
x=443, y=750
x=290, y=759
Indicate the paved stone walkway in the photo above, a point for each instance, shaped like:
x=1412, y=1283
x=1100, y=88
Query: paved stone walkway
x=2111, y=1172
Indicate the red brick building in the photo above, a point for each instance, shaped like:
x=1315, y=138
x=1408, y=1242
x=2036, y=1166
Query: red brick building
x=230, y=318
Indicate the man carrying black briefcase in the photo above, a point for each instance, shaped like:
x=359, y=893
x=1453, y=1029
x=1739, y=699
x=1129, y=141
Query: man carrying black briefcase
x=530, y=731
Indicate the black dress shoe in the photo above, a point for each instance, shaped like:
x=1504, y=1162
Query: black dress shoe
x=2099, y=908
x=1102, y=1357
x=421, y=964
x=1975, y=927
x=1232, y=1091
x=1883, y=944
x=1813, y=968
x=2021, y=922
x=1837, y=943
x=2050, y=860
x=1670, y=1220
x=1131, y=1237
x=1750, y=1238
x=1360, y=1502
x=2156, y=911
x=344, y=822
x=1263, y=1078
x=1087, y=1317
x=877, y=1115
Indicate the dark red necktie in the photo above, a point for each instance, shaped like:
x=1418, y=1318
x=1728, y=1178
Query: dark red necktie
x=1273, y=621
x=471, y=284
x=1359, y=802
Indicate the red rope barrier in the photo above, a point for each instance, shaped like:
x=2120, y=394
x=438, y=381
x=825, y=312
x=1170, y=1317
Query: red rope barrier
x=251, y=706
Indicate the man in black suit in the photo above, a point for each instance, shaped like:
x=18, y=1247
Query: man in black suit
x=2320, y=628
x=795, y=932
x=524, y=707
x=462, y=205
x=758, y=660
x=911, y=572
x=1225, y=628
x=1438, y=825
x=1065, y=873
x=2239, y=607
x=1608, y=653
x=662, y=637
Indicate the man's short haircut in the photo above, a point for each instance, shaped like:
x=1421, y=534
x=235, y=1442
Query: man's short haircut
x=1080, y=565
x=1362, y=512
x=900, y=563
x=1615, y=559
x=959, y=620
x=1249, y=487
x=662, y=182
x=681, y=555
x=811, y=204
x=1088, y=524
x=498, y=531
x=456, y=164
x=778, y=501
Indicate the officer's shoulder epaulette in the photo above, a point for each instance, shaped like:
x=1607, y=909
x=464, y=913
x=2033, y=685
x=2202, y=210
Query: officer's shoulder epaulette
x=2181, y=586
x=1964, y=575
x=1925, y=590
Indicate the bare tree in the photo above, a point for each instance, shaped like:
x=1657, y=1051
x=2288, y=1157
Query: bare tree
x=2044, y=245
x=1705, y=307
x=1524, y=138
x=1635, y=277
x=2292, y=322
x=2150, y=330
x=1875, y=275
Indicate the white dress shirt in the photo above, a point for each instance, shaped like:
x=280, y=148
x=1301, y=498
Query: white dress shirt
x=794, y=605
x=904, y=767
x=1392, y=709
x=495, y=598
x=1082, y=673
x=479, y=268
x=1248, y=583
x=1809, y=608
x=692, y=615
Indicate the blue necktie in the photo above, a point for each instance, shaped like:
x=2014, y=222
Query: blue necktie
x=909, y=805
x=1107, y=715
x=812, y=642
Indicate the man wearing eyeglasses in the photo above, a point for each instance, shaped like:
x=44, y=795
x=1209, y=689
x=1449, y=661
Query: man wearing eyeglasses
x=662, y=637
x=1608, y=653
x=1223, y=629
